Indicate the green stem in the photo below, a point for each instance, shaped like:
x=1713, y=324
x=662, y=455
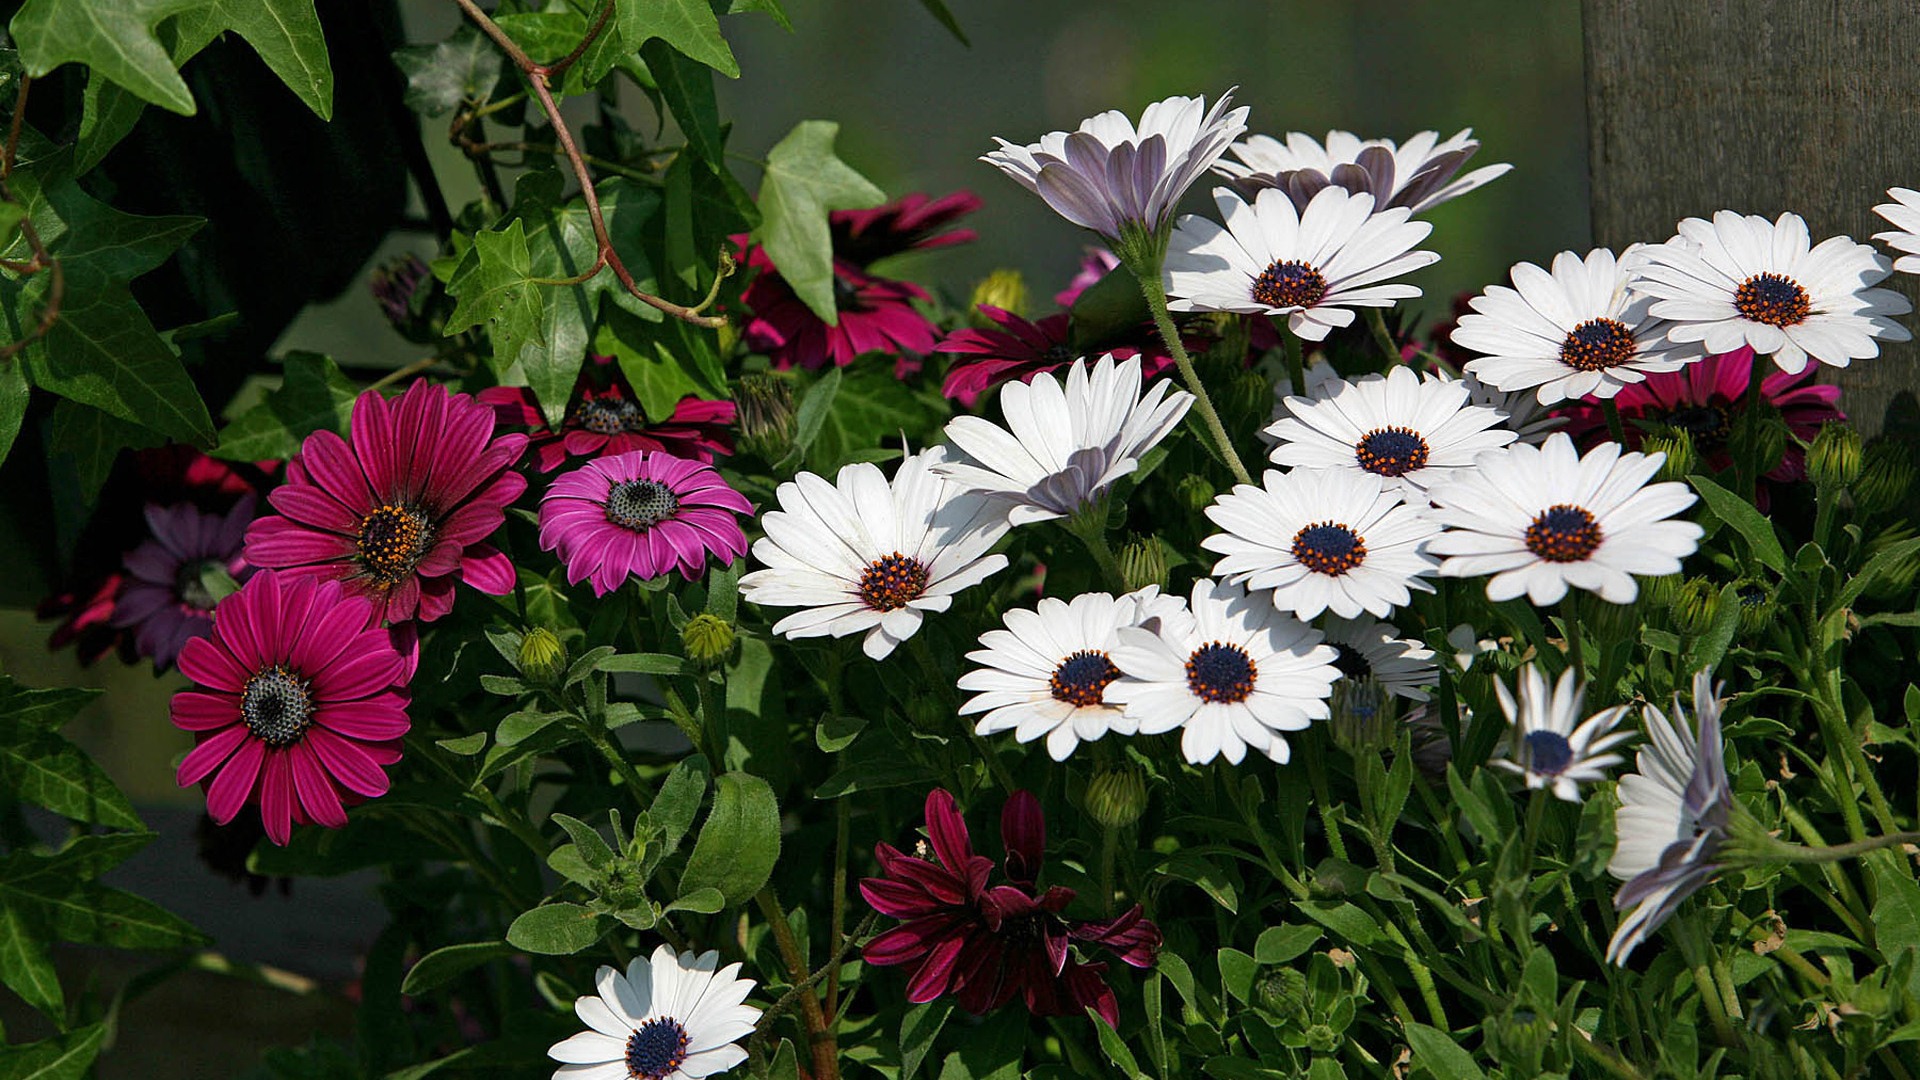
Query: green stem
x=1377, y=322
x=1323, y=799
x=1746, y=468
x=1615, y=430
x=713, y=719
x=1795, y=853
x=629, y=776
x=821, y=1045
x=1296, y=361
x=1090, y=527
x=1156, y=297
x=843, y=816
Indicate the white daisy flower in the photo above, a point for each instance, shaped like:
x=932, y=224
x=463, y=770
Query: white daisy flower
x=1520, y=410
x=668, y=1018
x=1321, y=380
x=1112, y=173
x=1400, y=426
x=1569, y=334
x=1551, y=746
x=1418, y=175
x=1371, y=649
x=1066, y=446
x=1468, y=645
x=1313, y=265
x=1229, y=670
x=1904, y=214
x=1672, y=819
x=1541, y=518
x=1047, y=673
x=1738, y=280
x=1323, y=540
x=862, y=555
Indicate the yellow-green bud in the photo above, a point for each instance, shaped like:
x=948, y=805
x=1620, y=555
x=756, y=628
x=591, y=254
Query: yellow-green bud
x=1770, y=443
x=1116, y=797
x=1143, y=562
x=707, y=639
x=1609, y=621
x=1886, y=476
x=1677, y=444
x=543, y=656
x=1834, y=459
x=1004, y=289
x=765, y=405
x=1695, y=606
x=1756, y=605
x=1195, y=492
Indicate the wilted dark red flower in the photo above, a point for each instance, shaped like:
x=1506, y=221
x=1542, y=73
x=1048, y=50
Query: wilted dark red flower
x=863, y=237
x=1020, y=349
x=985, y=944
x=603, y=419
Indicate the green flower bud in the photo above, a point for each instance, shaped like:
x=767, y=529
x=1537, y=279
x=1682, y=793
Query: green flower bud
x=1116, y=797
x=1248, y=398
x=1143, y=562
x=1695, y=606
x=1895, y=581
x=1756, y=605
x=766, y=415
x=1677, y=444
x=1658, y=592
x=1195, y=492
x=1609, y=621
x=1886, y=476
x=1281, y=992
x=1365, y=717
x=1770, y=443
x=707, y=639
x=1834, y=459
x=1004, y=289
x=1520, y=1038
x=543, y=656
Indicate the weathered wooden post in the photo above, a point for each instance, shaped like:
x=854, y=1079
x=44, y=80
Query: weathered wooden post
x=1758, y=106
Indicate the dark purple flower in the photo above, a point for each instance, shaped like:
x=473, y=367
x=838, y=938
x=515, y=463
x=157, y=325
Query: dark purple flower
x=603, y=419
x=395, y=287
x=1020, y=349
x=986, y=944
x=916, y=221
x=166, y=601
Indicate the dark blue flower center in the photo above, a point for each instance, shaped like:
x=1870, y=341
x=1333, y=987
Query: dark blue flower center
x=1773, y=300
x=1709, y=425
x=1596, y=345
x=1221, y=673
x=392, y=540
x=1391, y=451
x=893, y=581
x=1289, y=285
x=1351, y=662
x=1058, y=353
x=1328, y=548
x=656, y=1049
x=277, y=706
x=1082, y=678
x=610, y=416
x=1548, y=752
x=1563, y=534
x=641, y=504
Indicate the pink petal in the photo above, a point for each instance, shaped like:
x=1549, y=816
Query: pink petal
x=365, y=720
x=276, y=798
x=317, y=795
x=211, y=665
x=348, y=763
x=230, y=790
x=193, y=710
x=209, y=755
x=487, y=569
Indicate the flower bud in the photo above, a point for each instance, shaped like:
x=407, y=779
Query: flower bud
x=1886, y=475
x=1281, y=992
x=402, y=288
x=766, y=415
x=1770, y=443
x=1195, y=492
x=1004, y=289
x=1695, y=606
x=1658, y=592
x=707, y=639
x=1365, y=717
x=1834, y=459
x=1116, y=797
x=1756, y=605
x=1894, y=581
x=543, y=656
x=1143, y=562
x=1677, y=444
x=1248, y=399
x=1609, y=621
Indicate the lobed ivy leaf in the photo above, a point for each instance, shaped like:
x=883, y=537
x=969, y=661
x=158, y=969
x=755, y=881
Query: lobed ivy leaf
x=464, y=67
x=313, y=396
x=492, y=286
x=688, y=25
x=116, y=40
x=805, y=181
x=286, y=34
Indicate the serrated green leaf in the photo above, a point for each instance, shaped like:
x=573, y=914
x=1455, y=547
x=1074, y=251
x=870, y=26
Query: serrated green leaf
x=116, y=40
x=445, y=964
x=740, y=841
x=560, y=929
x=492, y=286
x=313, y=396
x=286, y=34
x=804, y=182
x=46, y=770
x=24, y=966
x=465, y=67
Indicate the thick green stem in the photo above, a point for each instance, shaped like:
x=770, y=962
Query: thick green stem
x=1377, y=322
x=1156, y=297
x=1745, y=467
x=821, y=1042
x=1296, y=362
x=1615, y=430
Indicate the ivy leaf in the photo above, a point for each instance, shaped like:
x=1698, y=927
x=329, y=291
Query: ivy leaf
x=313, y=396
x=740, y=841
x=687, y=87
x=83, y=443
x=492, y=286
x=13, y=404
x=116, y=40
x=688, y=25
x=804, y=181
x=465, y=67
x=286, y=34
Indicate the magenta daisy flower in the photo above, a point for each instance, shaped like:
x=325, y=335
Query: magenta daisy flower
x=1706, y=399
x=604, y=419
x=1021, y=349
x=298, y=704
x=165, y=601
x=876, y=315
x=641, y=514
x=909, y=223
x=402, y=511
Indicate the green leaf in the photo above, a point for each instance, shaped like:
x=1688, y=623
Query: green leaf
x=870, y=405
x=1279, y=944
x=1896, y=912
x=804, y=181
x=48, y=709
x=464, y=745
x=645, y=663
x=1351, y=923
x=1233, y=1068
x=89, y=913
x=918, y=1028
x=116, y=40
x=740, y=841
x=770, y=7
x=83, y=443
x=870, y=776
x=103, y=352
x=560, y=929
x=313, y=396
x=517, y=727
x=1237, y=971
x=816, y=404
x=47, y=770
x=836, y=733
x=678, y=802
x=1746, y=520
x=465, y=67
x=705, y=900
x=593, y=847
x=445, y=964
x=24, y=966
x=69, y=1057
x=938, y=10
x=492, y=286
x=14, y=393
x=687, y=87
x=1435, y=1052
x=1114, y=1046
x=687, y=25
x=286, y=34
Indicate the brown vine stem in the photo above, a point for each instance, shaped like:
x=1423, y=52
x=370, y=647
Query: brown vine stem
x=538, y=76
x=822, y=1047
x=57, y=284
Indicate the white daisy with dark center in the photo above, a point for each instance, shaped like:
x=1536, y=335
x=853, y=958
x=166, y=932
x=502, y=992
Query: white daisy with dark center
x=865, y=556
x=668, y=1018
x=1063, y=446
x=1373, y=650
x=1227, y=670
x=1569, y=334
x=1312, y=265
x=1047, y=673
x=1402, y=427
x=1903, y=213
x=1323, y=540
x=1540, y=519
x=1418, y=174
x=1520, y=410
x=1321, y=379
x=1743, y=280
x=1550, y=745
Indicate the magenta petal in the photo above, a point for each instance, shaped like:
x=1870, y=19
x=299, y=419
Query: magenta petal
x=936, y=972
x=317, y=795
x=194, y=710
x=210, y=755
x=211, y=665
x=1023, y=828
x=373, y=438
x=366, y=667
x=329, y=462
x=365, y=721
x=901, y=901
x=231, y=789
x=278, y=541
x=312, y=506
x=348, y=763
x=487, y=569
x=948, y=830
x=276, y=797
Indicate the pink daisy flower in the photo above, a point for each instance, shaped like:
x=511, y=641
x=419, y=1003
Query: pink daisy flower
x=876, y=315
x=400, y=513
x=297, y=707
x=604, y=419
x=1021, y=349
x=641, y=514
x=165, y=602
x=909, y=223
